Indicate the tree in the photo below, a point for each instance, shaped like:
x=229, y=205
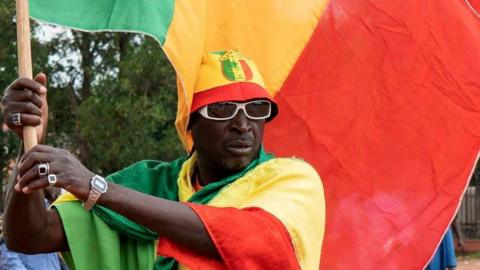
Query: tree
x=135, y=109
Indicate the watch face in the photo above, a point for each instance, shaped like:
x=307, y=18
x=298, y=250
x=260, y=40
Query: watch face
x=99, y=184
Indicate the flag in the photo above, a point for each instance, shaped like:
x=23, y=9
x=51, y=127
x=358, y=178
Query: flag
x=382, y=97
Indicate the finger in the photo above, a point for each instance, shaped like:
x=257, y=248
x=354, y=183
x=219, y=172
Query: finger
x=41, y=148
x=24, y=95
x=23, y=107
x=38, y=184
x=30, y=120
x=35, y=185
x=38, y=154
x=24, y=83
x=41, y=78
x=30, y=175
x=26, y=120
x=37, y=149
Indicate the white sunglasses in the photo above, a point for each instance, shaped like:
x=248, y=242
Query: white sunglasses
x=255, y=110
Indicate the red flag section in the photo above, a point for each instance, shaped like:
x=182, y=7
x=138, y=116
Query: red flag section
x=385, y=102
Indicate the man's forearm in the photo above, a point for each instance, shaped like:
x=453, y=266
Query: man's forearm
x=170, y=219
x=26, y=221
x=24, y=218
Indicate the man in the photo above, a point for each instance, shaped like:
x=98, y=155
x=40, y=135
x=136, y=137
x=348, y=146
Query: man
x=228, y=205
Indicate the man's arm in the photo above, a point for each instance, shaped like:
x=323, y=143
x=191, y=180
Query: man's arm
x=173, y=220
x=170, y=219
x=28, y=226
x=44, y=232
x=25, y=215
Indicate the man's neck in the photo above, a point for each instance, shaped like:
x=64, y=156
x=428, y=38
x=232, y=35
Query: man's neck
x=206, y=175
x=208, y=172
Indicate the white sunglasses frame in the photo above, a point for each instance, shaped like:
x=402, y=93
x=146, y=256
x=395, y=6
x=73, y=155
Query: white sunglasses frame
x=240, y=106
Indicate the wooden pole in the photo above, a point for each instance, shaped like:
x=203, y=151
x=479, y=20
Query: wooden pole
x=25, y=62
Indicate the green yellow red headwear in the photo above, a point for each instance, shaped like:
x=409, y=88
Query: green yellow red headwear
x=228, y=76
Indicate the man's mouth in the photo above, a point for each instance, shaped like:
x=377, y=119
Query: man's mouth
x=240, y=147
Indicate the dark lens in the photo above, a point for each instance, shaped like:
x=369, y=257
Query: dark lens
x=221, y=109
x=260, y=108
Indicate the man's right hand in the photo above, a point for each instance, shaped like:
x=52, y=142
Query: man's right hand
x=29, y=98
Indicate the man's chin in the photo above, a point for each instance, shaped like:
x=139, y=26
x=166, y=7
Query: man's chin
x=237, y=164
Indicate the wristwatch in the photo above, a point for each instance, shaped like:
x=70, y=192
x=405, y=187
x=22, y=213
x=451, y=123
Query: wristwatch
x=98, y=186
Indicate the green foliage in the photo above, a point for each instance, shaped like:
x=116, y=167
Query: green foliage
x=134, y=115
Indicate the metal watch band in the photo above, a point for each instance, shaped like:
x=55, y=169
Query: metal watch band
x=98, y=186
x=93, y=197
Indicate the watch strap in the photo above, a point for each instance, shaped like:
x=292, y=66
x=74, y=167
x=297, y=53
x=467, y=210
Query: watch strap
x=98, y=186
x=93, y=197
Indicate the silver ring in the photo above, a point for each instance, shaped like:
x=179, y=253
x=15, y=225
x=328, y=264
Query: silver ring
x=52, y=180
x=43, y=169
x=16, y=119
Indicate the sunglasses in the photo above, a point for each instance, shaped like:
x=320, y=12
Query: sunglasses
x=254, y=110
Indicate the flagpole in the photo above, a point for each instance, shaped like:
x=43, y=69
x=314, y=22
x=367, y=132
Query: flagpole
x=25, y=62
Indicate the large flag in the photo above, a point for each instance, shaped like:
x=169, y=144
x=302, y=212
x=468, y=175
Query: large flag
x=382, y=97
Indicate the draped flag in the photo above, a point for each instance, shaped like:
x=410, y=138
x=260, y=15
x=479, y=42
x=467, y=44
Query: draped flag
x=382, y=97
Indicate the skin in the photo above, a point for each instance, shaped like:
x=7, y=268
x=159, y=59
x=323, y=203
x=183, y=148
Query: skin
x=223, y=147
x=32, y=103
x=51, y=194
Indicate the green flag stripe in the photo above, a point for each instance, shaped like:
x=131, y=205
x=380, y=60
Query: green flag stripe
x=152, y=17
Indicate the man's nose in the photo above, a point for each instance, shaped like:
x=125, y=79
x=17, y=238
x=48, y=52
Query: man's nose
x=240, y=122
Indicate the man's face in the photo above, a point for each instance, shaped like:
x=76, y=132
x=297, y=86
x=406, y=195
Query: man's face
x=228, y=145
